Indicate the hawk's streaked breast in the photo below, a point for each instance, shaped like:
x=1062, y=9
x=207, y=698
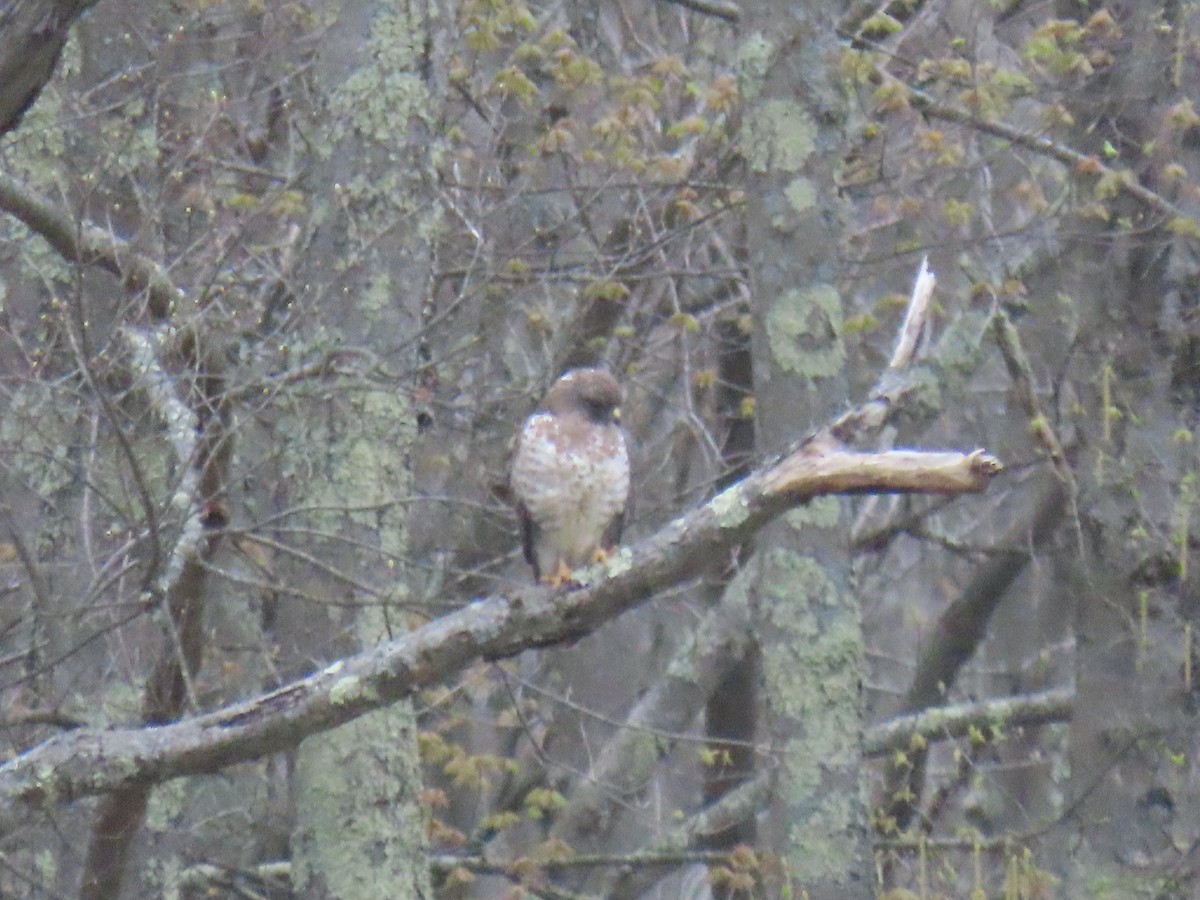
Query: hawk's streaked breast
x=570, y=473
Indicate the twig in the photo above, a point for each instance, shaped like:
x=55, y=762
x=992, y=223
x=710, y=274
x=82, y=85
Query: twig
x=1079, y=163
x=624, y=766
x=958, y=632
x=733, y=808
x=1021, y=372
x=721, y=9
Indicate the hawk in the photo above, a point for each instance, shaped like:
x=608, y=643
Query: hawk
x=570, y=475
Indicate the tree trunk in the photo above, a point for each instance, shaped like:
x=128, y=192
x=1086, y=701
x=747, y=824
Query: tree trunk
x=359, y=829
x=32, y=35
x=812, y=658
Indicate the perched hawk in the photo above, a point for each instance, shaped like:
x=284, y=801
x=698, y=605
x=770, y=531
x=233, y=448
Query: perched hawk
x=570, y=475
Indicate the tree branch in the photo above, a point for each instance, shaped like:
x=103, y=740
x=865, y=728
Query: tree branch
x=959, y=630
x=88, y=763
x=1079, y=163
x=90, y=245
x=958, y=720
x=721, y=9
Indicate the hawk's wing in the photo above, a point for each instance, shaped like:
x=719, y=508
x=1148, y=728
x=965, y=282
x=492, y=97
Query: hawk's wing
x=526, y=471
x=612, y=534
x=529, y=533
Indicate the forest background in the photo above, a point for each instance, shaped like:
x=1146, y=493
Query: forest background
x=278, y=282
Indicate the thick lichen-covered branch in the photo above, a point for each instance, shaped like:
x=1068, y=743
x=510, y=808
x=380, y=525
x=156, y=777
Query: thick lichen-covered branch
x=88, y=763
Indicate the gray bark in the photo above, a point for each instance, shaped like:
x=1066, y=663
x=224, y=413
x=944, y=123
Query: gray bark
x=795, y=120
x=32, y=35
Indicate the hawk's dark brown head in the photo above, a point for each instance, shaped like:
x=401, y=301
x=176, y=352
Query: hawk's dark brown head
x=593, y=392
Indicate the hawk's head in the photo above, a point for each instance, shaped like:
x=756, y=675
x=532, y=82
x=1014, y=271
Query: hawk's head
x=592, y=392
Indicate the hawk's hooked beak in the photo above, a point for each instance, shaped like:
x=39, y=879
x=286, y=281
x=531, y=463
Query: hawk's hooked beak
x=616, y=415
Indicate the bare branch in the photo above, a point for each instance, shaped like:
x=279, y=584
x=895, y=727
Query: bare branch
x=896, y=471
x=914, y=320
x=90, y=245
x=182, y=425
x=957, y=720
x=1081, y=164
x=721, y=9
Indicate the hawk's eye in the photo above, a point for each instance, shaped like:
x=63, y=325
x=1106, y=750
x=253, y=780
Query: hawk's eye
x=598, y=411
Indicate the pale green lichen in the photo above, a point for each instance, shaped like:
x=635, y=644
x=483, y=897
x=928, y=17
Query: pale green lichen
x=801, y=194
x=753, y=61
x=961, y=348
x=730, y=507
x=167, y=874
x=683, y=663
x=360, y=825
x=44, y=779
x=352, y=460
x=378, y=98
x=359, y=821
x=819, y=850
x=777, y=135
x=804, y=330
x=345, y=690
x=45, y=864
x=378, y=295
x=619, y=563
x=643, y=753
x=36, y=158
x=120, y=702
x=38, y=456
x=823, y=512
x=166, y=805
x=812, y=672
x=381, y=106
x=959, y=355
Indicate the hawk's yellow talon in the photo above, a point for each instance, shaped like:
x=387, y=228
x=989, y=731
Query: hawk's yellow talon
x=560, y=576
